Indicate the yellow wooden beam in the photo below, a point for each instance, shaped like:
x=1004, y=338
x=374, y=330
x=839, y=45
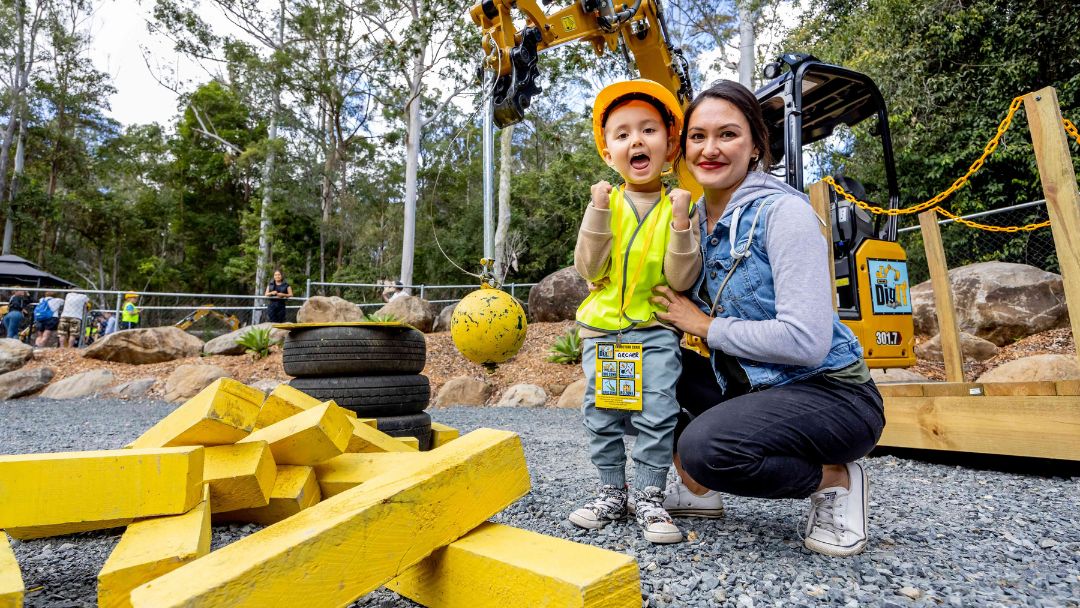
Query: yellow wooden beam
x=350, y=544
x=68, y=487
x=295, y=489
x=32, y=532
x=367, y=439
x=307, y=438
x=220, y=414
x=442, y=434
x=347, y=471
x=285, y=401
x=412, y=442
x=494, y=563
x=11, y=583
x=373, y=423
x=240, y=476
x=1042, y=426
x=152, y=547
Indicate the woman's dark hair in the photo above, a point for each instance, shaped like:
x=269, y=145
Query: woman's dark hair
x=744, y=101
x=665, y=115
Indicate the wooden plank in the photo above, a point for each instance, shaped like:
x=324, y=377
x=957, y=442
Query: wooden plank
x=819, y=200
x=350, y=470
x=442, y=434
x=1067, y=387
x=220, y=414
x=1054, y=159
x=285, y=401
x=240, y=476
x=1043, y=427
x=901, y=389
x=349, y=545
x=366, y=439
x=943, y=297
x=1017, y=389
x=11, y=582
x=152, y=547
x=68, y=487
x=494, y=562
x=32, y=532
x=295, y=489
x=952, y=389
x=307, y=438
x=412, y=442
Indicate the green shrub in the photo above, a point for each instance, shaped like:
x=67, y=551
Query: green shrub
x=567, y=349
x=382, y=318
x=257, y=342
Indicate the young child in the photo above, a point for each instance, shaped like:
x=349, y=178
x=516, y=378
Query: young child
x=633, y=238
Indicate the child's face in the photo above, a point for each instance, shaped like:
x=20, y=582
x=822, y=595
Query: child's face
x=638, y=143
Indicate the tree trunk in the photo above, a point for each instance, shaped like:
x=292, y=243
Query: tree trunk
x=9, y=133
x=16, y=176
x=263, y=261
x=746, y=45
x=412, y=164
x=502, y=228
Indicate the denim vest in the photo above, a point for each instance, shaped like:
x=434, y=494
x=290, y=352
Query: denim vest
x=751, y=295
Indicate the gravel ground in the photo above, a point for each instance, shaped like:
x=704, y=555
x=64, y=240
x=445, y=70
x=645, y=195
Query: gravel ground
x=941, y=535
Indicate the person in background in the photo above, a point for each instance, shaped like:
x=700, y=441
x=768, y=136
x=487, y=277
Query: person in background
x=278, y=291
x=110, y=324
x=47, y=317
x=71, y=318
x=129, y=316
x=16, y=313
x=393, y=291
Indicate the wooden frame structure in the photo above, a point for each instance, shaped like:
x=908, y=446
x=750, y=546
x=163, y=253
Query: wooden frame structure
x=1035, y=419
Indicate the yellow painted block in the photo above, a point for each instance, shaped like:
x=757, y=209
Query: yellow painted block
x=240, y=476
x=32, y=532
x=493, y=563
x=347, y=471
x=69, y=487
x=412, y=442
x=350, y=544
x=11, y=583
x=366, y=439
x=285, y=401
x=373, y=423
x=442, y=434
x=307, y=438
x=220, y=414
x=152, y=547
x=295, y=489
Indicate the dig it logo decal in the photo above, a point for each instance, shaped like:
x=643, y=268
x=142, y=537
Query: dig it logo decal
x=889, y=289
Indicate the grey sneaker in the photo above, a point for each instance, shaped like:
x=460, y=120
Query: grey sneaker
x=837, y=524
x=680, y=501
x=656, y=524
x=608, y=507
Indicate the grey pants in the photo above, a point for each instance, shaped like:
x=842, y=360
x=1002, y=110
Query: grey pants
x=662, y=365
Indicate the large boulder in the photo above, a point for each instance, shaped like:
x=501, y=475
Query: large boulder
x=463, y=390
x=229, y=343
x=574, y=395
x=24, y=382
x=132, y=389
x=80, y=385
x=140, y=346
x=14, y=354
x=973, y=347
x=557, y=296
x=523, y=395
x=414, y=310
x=996, y=301
x=442, y=322
x=321, y=309
x=187, y=380
x=1034, y=369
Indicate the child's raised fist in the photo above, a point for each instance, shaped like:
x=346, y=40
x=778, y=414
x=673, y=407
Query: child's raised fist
x=601, y=194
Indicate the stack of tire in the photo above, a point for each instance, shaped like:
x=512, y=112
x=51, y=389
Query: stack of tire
x=371, y=370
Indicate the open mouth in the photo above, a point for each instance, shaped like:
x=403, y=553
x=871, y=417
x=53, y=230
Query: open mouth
x=639, y=161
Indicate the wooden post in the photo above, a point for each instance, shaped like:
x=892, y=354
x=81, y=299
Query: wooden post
x=819, y=200
x=948, y=334
x=1059, y=187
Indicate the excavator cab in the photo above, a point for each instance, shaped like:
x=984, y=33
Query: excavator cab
x=805, y=102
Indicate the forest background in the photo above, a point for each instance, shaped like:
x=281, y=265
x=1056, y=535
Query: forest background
x=304, y=125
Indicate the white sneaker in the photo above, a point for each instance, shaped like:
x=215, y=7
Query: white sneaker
x=679, y=500
x=608, y=507
x=837, y=524
x=656, y=524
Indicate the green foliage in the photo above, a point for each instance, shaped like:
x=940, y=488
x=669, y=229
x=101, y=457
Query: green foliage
x=567, y=348
x=376, y=317
x=257, y=342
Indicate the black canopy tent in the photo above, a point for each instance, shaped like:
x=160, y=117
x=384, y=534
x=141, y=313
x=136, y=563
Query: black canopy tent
x=17, y=272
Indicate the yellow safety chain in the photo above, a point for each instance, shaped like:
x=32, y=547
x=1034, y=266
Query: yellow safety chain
x=991, y=146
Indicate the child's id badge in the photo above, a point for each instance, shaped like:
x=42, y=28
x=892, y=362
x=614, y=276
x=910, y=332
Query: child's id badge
x=618, y=376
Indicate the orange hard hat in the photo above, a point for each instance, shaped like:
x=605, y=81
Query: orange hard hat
x=613, y=92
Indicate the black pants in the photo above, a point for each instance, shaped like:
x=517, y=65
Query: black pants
x=275, y=313
x=772, y=443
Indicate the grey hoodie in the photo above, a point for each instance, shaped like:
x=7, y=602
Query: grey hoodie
x=799, y=257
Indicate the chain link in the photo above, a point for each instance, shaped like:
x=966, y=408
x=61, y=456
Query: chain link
x=989, y=149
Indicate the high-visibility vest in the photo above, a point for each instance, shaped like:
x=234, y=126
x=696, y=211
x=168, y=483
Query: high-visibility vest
x=130, y=313
x=637, y=267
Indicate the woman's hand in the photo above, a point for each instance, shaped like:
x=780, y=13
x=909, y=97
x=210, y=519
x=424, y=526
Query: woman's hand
x=681, y=312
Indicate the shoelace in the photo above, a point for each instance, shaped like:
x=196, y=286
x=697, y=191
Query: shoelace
x=823, y=515
x=651, y=509
x=610, y=499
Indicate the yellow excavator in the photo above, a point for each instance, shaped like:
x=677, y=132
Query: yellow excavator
x=804, y=102
x=208, y=309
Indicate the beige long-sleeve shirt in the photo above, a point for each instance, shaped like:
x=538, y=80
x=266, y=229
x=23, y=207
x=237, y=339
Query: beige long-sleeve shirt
x=592, y=255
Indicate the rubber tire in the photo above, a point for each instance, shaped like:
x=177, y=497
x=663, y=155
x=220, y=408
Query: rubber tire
x=413, y=425
x=354, y=351
x=370, y=396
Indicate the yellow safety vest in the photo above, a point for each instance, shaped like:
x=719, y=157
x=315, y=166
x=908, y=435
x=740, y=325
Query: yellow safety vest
x=130, y=314
x=637, y=267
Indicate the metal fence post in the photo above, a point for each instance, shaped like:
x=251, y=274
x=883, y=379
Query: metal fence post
x=307, y=290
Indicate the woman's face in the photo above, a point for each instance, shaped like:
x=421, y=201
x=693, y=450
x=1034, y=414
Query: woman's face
x=719, y=145
x=277, y=276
